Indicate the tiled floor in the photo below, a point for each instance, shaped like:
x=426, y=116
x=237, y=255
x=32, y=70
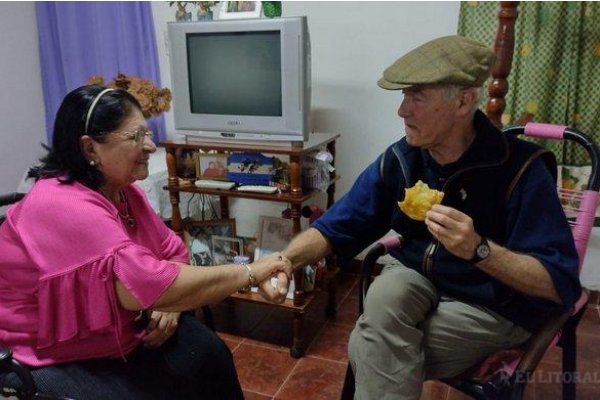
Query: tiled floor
x=259, y=337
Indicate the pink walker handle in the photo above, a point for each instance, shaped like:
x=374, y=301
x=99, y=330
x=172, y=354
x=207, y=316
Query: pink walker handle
x=545, y=131
x=390, y=242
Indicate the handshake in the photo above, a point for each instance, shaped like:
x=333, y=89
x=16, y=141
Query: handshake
x=272, y=275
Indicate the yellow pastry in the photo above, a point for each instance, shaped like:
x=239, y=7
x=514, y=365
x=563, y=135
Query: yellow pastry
x=419, y=199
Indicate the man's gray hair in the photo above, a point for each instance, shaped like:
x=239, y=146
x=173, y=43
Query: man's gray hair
x=452, y=91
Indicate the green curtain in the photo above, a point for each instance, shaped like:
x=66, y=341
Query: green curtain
x=555, y=75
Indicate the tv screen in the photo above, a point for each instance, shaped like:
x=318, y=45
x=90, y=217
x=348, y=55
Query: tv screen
x=242, y=76
x=241, y=79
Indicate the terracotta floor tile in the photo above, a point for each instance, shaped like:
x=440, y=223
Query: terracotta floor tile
x=260, y=337
x=454, y=394
x=347, y=312
x=233, y=344
x=332, y=342
x=262, y=370
x=314, y=379
x=434, y=390
x=346, y=285
x=248, y=395
x=590, y=322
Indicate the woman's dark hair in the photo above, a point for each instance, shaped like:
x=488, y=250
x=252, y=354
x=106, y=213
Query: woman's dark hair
x=66, y=159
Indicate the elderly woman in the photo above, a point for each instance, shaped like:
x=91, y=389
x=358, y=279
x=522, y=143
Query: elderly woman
x=84, y=252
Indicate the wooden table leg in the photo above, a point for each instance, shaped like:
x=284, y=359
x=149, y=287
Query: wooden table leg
x=297, y=349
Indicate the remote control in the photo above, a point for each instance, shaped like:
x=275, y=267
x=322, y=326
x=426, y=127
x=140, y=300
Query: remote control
x=210, y=184
x=257, y=188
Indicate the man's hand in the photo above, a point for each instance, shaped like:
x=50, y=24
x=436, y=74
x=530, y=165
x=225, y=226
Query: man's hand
x=161, y=327
x=275, y=288
x=453, y=229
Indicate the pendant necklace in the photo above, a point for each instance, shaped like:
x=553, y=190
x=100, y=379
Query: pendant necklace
x=125, y=216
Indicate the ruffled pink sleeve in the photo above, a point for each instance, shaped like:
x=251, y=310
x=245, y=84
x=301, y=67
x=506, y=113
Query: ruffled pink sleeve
x=76, y=303
x=80, y=248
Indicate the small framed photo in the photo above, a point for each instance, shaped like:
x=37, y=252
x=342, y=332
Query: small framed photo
x=274, y=234
x=212, y=166
x=249, y=246
x=186, y=163
x=225, y=249
x=198, y=237
x=239, y=9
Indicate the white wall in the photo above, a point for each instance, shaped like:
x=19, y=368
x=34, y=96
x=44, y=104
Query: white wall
x=352, y=43
x=22, y=125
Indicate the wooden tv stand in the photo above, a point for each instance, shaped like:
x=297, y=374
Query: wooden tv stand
x=295, y=198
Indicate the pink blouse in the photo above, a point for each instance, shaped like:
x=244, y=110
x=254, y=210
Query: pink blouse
x=63, y=246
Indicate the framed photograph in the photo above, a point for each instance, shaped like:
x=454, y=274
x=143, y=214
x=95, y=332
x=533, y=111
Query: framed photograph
x=198, y=237
x=239, y=9
x=186, y=163
x=249, y=246
x=212, y=166
x=273, y=235
x=224, y=249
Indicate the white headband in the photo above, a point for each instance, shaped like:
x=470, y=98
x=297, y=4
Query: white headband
x=91, y=109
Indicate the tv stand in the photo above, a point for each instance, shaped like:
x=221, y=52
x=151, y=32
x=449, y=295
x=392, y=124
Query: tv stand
x=244, y=138
x=295, y=198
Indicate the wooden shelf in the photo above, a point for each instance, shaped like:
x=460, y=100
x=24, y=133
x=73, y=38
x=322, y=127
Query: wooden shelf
x=295, y=197
x=315, y=140
x=288, y=304
x=279, y=197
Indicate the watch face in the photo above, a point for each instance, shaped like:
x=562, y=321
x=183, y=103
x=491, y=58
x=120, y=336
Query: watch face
x=483, y=250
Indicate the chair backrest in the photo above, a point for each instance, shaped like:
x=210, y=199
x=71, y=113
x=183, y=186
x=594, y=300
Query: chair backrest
x=579, y=205
x=8, y=199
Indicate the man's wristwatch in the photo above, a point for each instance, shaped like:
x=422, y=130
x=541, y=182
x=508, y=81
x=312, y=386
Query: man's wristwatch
x=482, y=251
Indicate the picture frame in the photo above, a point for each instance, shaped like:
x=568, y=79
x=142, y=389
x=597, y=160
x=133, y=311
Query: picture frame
x=212, y=166
x=198, y=238
x=249, y=244
x=225, y=249
x=239, y=9
x=187, y=163
x=273, y=234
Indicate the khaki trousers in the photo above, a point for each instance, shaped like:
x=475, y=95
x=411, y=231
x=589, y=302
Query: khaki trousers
x=408, y=334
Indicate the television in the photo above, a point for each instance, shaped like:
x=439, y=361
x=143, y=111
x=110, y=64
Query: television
x=241, y=80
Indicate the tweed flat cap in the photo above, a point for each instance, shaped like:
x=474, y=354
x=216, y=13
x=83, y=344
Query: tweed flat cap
x=452, y=60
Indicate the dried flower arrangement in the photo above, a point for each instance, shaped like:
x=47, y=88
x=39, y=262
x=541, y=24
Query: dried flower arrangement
x=154, y=101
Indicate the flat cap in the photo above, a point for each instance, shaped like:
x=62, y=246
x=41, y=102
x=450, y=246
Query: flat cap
x=451, y=60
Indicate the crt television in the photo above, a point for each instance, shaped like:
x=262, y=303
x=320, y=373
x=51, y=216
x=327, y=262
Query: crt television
x=246, y=79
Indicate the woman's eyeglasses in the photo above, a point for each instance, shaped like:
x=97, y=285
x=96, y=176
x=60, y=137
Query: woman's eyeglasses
x=137, y=136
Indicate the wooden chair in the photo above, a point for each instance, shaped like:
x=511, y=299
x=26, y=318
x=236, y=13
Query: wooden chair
x=504, y=375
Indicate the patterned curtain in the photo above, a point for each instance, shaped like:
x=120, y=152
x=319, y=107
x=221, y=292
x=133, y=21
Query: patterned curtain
x=555, y=75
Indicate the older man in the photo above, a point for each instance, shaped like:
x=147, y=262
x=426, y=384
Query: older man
x=485, y=268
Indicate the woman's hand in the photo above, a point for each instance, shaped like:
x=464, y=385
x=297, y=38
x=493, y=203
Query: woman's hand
x=161, y=327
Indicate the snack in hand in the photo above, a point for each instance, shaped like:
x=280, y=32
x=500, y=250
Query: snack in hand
x=419, y=199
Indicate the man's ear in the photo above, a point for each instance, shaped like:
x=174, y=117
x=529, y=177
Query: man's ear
x=466, y=100
x=88, y=145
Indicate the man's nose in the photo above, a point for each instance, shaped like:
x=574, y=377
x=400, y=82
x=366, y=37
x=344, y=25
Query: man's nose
x=403, y=110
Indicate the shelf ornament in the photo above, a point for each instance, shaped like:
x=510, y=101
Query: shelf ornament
x=154, y=100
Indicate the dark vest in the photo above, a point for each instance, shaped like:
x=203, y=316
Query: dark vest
x=480, y=186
